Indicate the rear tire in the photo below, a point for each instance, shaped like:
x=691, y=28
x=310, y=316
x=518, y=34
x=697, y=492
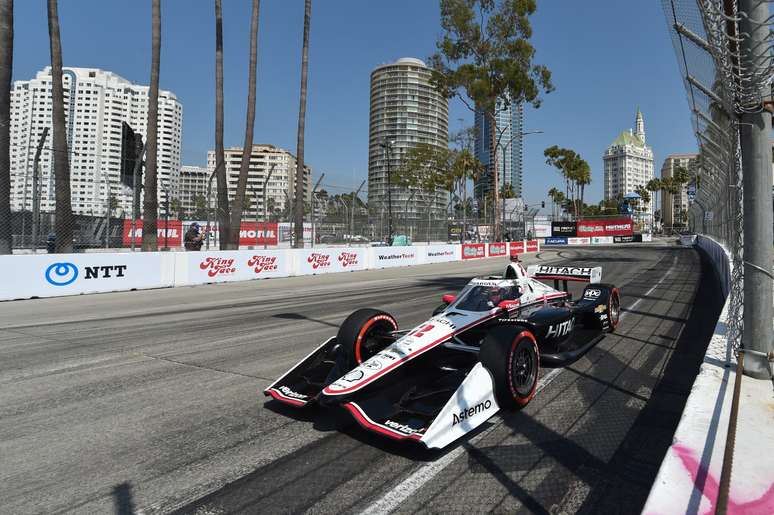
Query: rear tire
x=364, y=333
x=613, y=309
x=511, y=355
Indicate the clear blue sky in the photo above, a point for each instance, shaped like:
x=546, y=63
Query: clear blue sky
x=607, y=58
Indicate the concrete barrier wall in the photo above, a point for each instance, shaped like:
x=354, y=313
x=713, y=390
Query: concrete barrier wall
x=52, y=275
x=689, y=476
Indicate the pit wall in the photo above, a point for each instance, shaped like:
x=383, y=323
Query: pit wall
x=689, y=477
x=54, y=275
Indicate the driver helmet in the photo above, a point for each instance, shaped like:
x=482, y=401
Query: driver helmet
x=494, y=295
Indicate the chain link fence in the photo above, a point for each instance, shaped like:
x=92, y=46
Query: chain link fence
x=707, y=41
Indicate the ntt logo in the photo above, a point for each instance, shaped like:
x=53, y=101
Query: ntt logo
x=61, y=274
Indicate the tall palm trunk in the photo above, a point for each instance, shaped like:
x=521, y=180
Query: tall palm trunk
x=299, y=196
x=247, y=150
x=6, y=68
x=63, y=225
x=220, y=164
x=150, y=200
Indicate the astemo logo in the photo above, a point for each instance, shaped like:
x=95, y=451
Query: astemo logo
x=61, y=274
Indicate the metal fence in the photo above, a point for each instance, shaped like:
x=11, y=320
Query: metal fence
x=725, y=76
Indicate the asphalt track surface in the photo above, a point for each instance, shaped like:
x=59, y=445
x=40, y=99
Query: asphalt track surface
x=149, y=401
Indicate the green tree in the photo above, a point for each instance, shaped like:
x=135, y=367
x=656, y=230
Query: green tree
x=247, y=150
x=200, y=208
x=575, y=171
x=63, y=225
x=176, y=208
x=224, y=211
x=299, y=214
x=485, y=58
x=6, y=69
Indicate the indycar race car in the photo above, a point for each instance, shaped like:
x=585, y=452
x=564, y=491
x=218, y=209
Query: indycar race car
x=479, y=352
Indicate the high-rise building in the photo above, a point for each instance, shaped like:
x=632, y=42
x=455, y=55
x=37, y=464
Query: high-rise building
x=280, y=189
x=193, y=184
x=673, y=206
x=405, y=110
x=97, y=102
x=628, y=163
x=508, y=129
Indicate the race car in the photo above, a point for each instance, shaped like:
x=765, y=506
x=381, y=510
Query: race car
x=478, y=353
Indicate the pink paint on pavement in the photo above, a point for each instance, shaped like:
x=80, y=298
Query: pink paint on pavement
x=763, y=505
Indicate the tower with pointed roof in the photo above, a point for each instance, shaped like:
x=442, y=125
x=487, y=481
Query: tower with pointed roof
x=628, y=163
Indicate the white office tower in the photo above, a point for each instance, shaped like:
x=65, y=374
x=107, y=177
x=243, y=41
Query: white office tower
x=628, y=163
x=97, y=102
x=192, y=186
x=674, y=207
x=280, y=188
x=405, y=110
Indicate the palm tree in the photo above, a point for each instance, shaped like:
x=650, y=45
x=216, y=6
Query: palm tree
x=582, y=178
x=220, y=165
x=6, y=68
x=654, y=186
x=552, y=194
x=150, y=201
x=63, y=225
x=299, y=214
x=247, y=150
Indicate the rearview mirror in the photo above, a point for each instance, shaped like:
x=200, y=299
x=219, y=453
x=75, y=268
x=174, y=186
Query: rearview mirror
x=448, y=298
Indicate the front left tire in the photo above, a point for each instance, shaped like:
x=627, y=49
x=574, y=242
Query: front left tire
x=511, y=355
x=364, y=333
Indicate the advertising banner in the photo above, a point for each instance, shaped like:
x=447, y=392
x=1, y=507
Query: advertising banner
x=559, y=229
x=246, y=233
x=601, y=240
x=516, y=247
x=441, y=253
x=497, y=249
x=52, y=275
x=554, y=240
x=326, y=260
x=532, y=245
x=579, y=241
x=215, y=266
x=605, y=227
x=384, y=257
x=473, y=250
x=634, y=238
x=647, y=236
x=542, y=230
x=262, y=264
x=172, y=231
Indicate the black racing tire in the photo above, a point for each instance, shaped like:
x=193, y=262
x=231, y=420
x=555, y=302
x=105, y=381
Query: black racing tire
x=363, y=334
x=613, y=309
x=511, y=355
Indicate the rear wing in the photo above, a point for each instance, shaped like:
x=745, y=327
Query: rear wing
x=565, y=273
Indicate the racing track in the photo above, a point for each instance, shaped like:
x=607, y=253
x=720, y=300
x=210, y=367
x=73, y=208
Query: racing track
x=150, y=400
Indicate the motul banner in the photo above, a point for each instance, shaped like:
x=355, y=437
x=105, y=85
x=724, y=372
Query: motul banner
x=473, y=250
x=325, y=260
x=497, y=249
x=605, y=227
x=247, y=233
x=167, y=233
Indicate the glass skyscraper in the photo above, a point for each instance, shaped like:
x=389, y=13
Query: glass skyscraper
x=509, y=126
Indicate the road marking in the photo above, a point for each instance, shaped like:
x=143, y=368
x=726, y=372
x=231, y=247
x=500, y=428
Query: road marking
x=403, y=490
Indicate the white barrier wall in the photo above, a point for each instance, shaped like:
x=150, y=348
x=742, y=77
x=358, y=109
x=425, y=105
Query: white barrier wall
x=327, y=260
x=52, y=275
x=387, y=257
x=440, y=253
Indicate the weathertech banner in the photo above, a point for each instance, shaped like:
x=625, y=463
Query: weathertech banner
x=497, y=249
x=171, y=232
x=384, y=257
x=473, y=250
x=605, y=227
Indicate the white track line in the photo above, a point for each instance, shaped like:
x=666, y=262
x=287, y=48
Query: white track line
x=403, y=490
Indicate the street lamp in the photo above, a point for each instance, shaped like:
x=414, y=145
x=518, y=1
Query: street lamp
x=314, y=207
x=209, y=200
x=265, y=199
x=166, y=216
x=504, y=148
x=387, y=146
x=352, y=212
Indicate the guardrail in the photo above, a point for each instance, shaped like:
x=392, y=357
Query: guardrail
x=53, y=275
